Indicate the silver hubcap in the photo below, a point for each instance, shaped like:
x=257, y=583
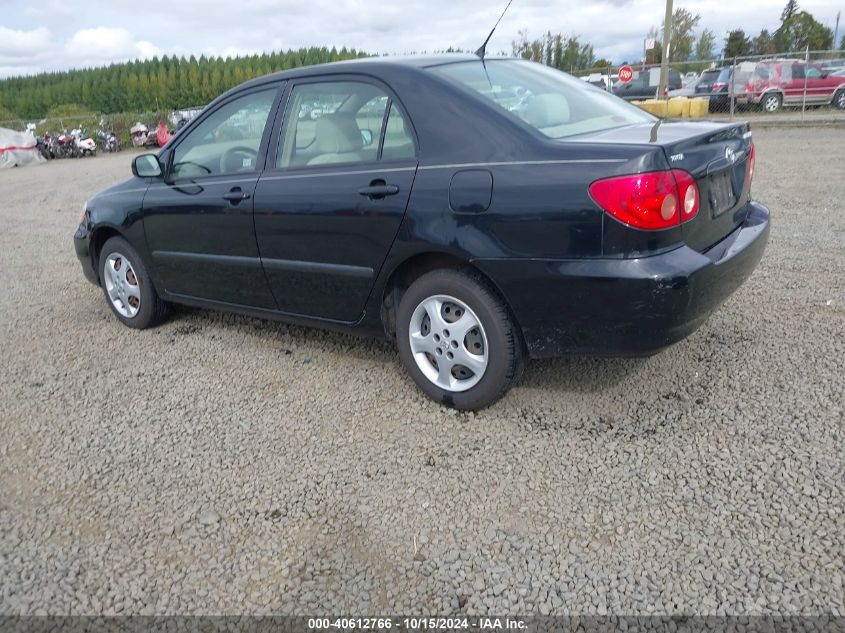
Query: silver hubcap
x=771, y=104
x=448, y=343
x=122, y=285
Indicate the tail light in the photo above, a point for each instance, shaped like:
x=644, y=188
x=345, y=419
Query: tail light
x=651, y=201
x=749, y=167
x=717, y=86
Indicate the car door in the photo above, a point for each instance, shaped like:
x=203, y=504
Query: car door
x=328, y=210
x=792, y=83
x=198, y=218
x=819, y=87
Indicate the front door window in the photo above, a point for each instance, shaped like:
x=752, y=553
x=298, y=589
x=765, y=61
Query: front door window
x=227, y=141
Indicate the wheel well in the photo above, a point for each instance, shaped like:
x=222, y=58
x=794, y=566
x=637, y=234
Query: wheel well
x=413, y=268
x=98, y=238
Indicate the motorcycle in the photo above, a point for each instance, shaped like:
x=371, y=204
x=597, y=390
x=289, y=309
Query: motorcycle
x=139, y=133
x=84, y=144
x=46, y=145
x=108, y=141
x=65, y=146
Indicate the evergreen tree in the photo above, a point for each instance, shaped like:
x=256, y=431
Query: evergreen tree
x=789, y=10
x=154, y=84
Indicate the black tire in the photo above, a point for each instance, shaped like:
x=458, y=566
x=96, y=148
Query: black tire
x=839, y=99
x=771, y=102
x=152, y=309
x=504, y=343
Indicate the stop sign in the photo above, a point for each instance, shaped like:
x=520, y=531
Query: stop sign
x=626, y=73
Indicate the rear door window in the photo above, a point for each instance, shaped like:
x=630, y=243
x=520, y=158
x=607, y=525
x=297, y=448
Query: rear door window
x=341, y=123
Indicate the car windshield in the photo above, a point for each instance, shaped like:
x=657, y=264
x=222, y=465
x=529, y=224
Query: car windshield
x=550, y=101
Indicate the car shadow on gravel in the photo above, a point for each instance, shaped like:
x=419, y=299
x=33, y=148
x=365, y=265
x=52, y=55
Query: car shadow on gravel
x=581, y=375
x=189, y=320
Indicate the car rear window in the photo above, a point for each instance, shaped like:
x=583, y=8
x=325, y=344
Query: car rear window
x=724, y=75
x=552, y=102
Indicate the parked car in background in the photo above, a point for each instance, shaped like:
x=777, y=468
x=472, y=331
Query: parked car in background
x=719, y=88
x=422, y=207
x=778, y=83
x=704, y=86
x=600, y=80
x=645, y=83
x=690, y=79
x=832, y=65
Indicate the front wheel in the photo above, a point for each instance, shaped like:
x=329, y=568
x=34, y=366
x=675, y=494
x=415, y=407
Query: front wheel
x=839, y=99
x=127, y=286
x=457, y=340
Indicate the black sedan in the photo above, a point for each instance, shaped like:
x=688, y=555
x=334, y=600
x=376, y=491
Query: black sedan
x=420, y=201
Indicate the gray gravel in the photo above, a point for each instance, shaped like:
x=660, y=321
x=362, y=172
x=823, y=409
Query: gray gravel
x=221, y=464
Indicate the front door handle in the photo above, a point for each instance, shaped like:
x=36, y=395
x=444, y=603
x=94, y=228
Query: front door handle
x=236, y=195
x=378, y=189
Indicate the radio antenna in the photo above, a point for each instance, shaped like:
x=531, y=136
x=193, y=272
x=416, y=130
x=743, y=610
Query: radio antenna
x=481, y=52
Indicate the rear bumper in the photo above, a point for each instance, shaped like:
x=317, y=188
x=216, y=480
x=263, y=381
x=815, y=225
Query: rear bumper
x=626, y=307
x=82, y=246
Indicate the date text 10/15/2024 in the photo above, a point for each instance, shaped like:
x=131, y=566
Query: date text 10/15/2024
x=416, y=624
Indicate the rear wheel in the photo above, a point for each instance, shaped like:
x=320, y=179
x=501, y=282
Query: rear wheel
x=839, y=99
x=127, y=286
x=771, y=102
x=457, y=339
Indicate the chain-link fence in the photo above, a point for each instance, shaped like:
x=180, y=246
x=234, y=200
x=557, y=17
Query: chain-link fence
x=797, y=82
x=97, y=126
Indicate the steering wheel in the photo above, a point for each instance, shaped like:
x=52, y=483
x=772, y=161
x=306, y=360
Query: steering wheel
x=177, y=166
x=238, y=158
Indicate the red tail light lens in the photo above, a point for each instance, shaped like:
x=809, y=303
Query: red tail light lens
x=749, y=168
x=651, y=201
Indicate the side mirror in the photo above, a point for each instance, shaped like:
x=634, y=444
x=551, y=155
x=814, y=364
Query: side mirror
x=367, y=137
x=825, y=74
x=146, y=166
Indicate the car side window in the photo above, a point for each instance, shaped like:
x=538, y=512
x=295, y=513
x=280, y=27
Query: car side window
x=227, y=141
x=398, y=142
x=813, y=72
x=338, y=122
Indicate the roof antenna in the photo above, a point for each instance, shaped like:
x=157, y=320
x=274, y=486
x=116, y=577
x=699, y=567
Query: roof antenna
x=481, y=52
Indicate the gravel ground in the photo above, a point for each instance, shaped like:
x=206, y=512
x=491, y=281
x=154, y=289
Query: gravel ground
x=220, y=464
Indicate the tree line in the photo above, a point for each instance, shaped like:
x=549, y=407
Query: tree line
x=798, y=31
x=173, y=83
x=688, y=42
x=157, y=84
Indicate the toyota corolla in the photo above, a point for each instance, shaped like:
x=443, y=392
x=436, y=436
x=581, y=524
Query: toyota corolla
x=477, y=212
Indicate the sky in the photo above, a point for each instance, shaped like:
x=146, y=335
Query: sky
x=39, y=35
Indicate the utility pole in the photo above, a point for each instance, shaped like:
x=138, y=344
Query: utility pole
x=836, y=30
x=664, y=61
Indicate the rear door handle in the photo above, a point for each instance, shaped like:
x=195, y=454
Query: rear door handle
x=378, y=189
x=236, y=195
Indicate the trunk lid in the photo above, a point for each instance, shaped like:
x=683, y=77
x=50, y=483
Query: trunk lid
x=716, y=154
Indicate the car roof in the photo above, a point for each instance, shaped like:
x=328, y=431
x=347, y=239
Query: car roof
x=369, y=64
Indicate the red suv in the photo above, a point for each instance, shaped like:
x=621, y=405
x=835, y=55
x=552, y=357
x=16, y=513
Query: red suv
x=774, y=84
